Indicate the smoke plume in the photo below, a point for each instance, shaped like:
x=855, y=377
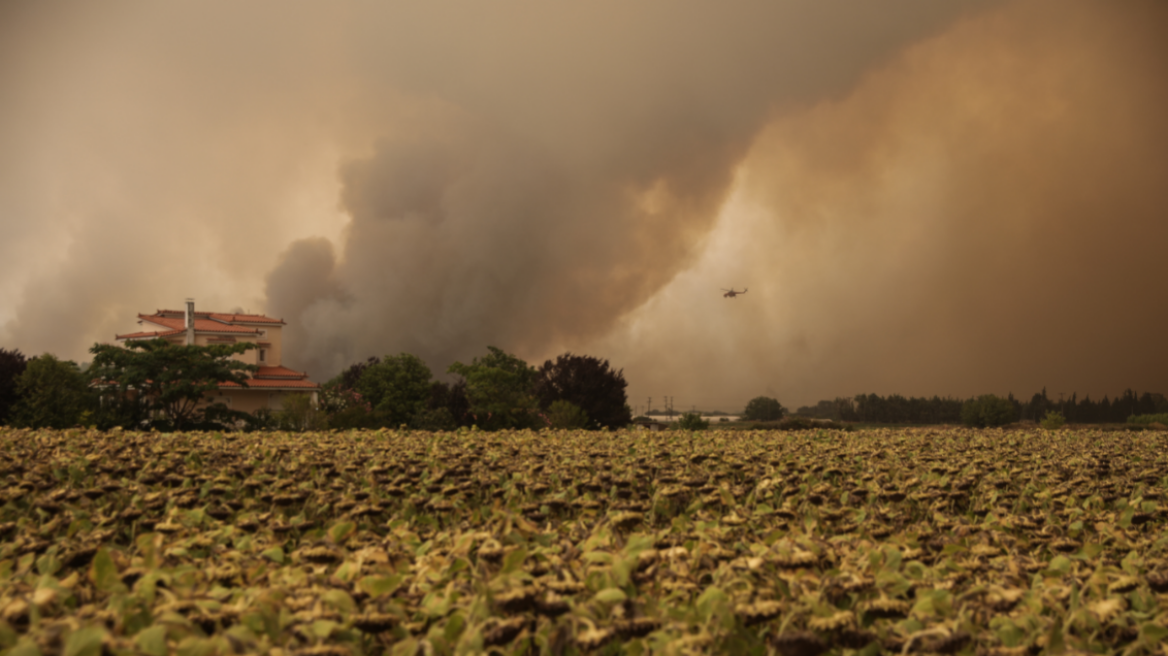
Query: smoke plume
x=987, y=213
x=922, y=197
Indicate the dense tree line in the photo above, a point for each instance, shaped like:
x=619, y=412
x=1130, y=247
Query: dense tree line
x=897, y=409
x=494, y=391
x=155, y=384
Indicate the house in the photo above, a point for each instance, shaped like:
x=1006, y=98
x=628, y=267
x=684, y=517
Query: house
x=267, y=387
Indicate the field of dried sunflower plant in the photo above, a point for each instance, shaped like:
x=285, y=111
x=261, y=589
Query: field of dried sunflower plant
x=896, y=541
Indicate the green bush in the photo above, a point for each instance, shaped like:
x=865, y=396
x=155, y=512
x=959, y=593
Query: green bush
x=397, y=387
x=1053, y=420
x=52, y=394
x=1148, y=419
x=434, y=419
x=565, y=414
x=795, y=423
x=987, y=410
x=692, y=421
x=763, y=408
x=299, y=414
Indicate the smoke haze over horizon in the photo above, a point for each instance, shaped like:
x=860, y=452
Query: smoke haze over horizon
x=923, y=198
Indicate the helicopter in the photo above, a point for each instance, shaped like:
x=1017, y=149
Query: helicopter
x=730, y=293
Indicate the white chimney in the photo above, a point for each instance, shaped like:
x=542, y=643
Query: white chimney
x=189, y=321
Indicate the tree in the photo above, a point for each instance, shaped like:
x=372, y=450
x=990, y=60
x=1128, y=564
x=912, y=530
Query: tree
x=447, y=408
x=692, y=421
x=565, y=414
x=500, y=389
x=171, y=381
x=1053, y=420
x=12, y=364
x=588, y=383
x=987, y=410
x=299, y=414
x=764, y=408
x=398, y=387
x=52, y=394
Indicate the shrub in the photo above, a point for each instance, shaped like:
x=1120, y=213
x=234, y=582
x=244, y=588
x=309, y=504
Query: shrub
x=434, y=419
x=299, y=414
x=500, y=390
x=565, y=414
x=1148, y=419
x=692, y=421
x=796, y=423
x=52, y=394
x=987, y=410
x=1053, y=420
x=763, y=408
x=398, y=387
x=12, y=364
x=590, y=384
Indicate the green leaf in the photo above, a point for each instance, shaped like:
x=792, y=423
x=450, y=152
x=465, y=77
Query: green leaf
x=103, y=572
x=84, y=642
x=347, y=571
x=710, y=601
x=338, y=532
x=454, y=627
x=1055, y=644
x=598, y=557
x=611, y=596
x=324, y=628
x=1153, y=634
x=152, y=640
x=1060, y=565
x=26, y=647
x=340, y=600
x=514, y=560
x=622, y=569
x=193, y=646
x=275, y=554
x=376, y=586
x=48, y=564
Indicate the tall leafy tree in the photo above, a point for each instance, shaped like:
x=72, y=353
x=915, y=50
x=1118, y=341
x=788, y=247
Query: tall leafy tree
x=987, y=410
x=447, y=408
x=763, y=408
x=172, y=381
x=500, y=389
x=397, y=386
x=52, y=394
x=12, y=364
x=588, y=383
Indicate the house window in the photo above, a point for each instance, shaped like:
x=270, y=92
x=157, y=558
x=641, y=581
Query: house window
x=263, y=355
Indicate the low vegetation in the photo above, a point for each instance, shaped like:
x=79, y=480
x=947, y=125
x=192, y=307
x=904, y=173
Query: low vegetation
x=796, y=543
x=1149, y=419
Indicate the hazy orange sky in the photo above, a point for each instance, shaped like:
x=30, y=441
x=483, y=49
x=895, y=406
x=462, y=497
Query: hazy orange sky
x=923, y=198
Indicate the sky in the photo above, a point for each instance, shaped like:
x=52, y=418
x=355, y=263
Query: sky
x=922, y=198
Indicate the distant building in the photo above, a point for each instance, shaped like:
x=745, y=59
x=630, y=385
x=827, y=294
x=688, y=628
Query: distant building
x=266, y=387
x=650, y=424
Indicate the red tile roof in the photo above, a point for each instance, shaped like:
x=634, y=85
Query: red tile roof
x=201, y=325
x=278, y=372
x=222, y=316
x=265, y=383
x=143, y=335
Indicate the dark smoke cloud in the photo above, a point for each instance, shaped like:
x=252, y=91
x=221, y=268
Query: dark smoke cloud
x=517, y=172
x=987, y=213
x=569, y=165
x=923, y=197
